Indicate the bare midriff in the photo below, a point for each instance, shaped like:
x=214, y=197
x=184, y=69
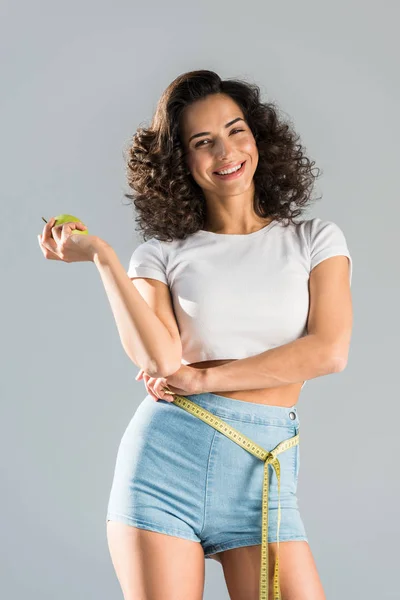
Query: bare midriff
x=284, y=395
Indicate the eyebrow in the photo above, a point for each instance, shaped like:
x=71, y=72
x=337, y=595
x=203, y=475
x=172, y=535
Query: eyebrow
x=196, y=135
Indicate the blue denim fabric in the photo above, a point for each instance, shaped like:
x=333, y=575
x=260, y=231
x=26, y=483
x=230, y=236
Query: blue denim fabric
x=177, y=475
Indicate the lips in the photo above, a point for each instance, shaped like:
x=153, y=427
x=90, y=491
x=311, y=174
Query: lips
x=225, y=167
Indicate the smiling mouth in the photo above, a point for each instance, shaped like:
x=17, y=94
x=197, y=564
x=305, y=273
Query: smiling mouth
x=233, y=173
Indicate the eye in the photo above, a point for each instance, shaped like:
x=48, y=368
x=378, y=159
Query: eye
x=202, y=141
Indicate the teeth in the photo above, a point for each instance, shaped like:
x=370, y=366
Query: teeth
x=229, y=170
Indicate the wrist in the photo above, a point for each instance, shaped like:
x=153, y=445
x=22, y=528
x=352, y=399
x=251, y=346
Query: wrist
x=202, y=381
x=100, y=251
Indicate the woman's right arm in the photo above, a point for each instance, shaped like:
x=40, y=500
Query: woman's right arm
x=144, y=337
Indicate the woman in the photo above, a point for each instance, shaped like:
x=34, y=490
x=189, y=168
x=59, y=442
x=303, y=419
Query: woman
x=233, y=305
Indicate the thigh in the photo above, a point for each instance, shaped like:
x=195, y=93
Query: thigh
x=151, y=565
x=299, y=579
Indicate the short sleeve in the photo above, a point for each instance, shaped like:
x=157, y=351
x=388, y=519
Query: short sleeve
x=147, y=260
x=326, y=239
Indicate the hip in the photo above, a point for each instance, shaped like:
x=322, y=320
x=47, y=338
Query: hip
x=177, y=473
x=163, y=438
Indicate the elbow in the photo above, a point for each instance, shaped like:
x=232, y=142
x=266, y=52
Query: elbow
x=339, y=365
x=171, y=370
x=162, y=370
x=337, y=359
x=171, y=363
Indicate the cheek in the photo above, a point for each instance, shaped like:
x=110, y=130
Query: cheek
x=198, y=163
x=193, y=161
x=255, y=158
x=250, y=147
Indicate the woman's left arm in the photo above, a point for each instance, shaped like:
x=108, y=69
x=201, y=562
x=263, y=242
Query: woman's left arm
x=305, y=358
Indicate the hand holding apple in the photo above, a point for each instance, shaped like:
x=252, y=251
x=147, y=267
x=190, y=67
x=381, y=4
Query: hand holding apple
x=59, y=240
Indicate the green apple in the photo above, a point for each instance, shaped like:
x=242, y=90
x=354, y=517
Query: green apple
x=60, y=219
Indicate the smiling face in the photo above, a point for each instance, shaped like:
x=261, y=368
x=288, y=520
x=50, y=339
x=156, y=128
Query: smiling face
x=216, y=136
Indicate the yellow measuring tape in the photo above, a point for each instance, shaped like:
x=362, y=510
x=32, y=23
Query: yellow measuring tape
x=269, y=458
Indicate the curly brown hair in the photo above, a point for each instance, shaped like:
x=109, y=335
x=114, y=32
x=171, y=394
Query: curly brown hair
x=169, y=203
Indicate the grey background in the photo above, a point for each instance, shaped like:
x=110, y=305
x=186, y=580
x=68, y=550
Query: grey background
x=78, y=78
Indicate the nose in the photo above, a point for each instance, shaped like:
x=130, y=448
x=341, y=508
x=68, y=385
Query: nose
x=222, y=149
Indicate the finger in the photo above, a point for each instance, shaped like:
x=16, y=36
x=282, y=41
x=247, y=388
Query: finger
x=152, y=394
x=48, y=236
x=47, y=233
x=150, y=388
x=139, y=375
x=65, y=232
x=47, y=228
x=158, y=388
x=69, y=228
x=62, y=232
x=55, y=234
x=47, y=253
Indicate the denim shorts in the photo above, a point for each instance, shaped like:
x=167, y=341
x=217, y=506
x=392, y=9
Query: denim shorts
x=177, y=475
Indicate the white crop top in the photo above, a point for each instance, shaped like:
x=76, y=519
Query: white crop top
x=236, y=295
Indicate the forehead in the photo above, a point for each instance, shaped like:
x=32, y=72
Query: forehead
x=208, y=114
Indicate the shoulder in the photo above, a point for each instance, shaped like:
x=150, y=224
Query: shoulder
x=317, y=233
x=317, y=228
x=324, y=239
x=148, y=260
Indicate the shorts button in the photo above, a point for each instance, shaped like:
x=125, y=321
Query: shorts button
x=292, y=415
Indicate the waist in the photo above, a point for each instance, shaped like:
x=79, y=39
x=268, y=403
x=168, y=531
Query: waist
x=227, y=407
x=285, y=395
x=268, y=396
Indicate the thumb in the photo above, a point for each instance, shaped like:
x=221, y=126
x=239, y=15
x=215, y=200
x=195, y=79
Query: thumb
x=76, y=225
x=68, y=229
x=139, y=375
